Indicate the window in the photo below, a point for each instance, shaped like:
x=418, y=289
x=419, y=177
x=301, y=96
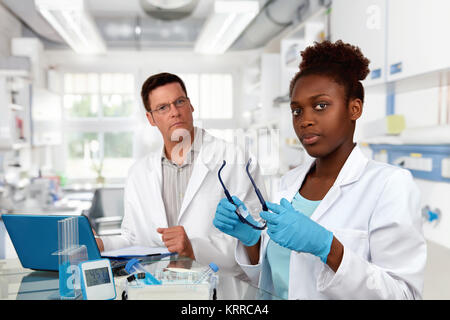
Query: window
x=211, y=95
x=118, y=153
x=90, y=95
x=82, y=157
x=99, y=114
x=226, y=134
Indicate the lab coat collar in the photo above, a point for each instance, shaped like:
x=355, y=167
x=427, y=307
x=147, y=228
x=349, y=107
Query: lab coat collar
x=198, y=174
x=294, y=179
x=155, y=158
x=155, y=174
x=353, y=167
x=194, y=148
x=351, y=171
x=200, y=171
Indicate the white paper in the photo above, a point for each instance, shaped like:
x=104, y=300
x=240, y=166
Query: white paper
x=134, y=251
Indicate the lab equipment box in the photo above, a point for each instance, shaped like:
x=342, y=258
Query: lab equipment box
x=200, y=291
x=171, y=284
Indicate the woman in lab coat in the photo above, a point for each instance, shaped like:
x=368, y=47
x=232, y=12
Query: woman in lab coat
x=346, y=227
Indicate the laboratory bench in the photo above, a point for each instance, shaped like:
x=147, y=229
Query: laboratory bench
x=72, y=203
x=18, y=283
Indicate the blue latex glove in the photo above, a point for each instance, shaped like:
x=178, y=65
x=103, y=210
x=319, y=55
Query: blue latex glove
x=292, y=229
x=227, y=221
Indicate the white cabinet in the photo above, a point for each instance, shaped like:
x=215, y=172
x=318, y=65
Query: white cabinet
x=418, y=36
x=401, y=38
x=33, y=49
x=47, y=118
x=363, y=23
x=270, y=85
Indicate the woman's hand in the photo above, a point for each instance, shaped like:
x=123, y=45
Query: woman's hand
x=292, y=229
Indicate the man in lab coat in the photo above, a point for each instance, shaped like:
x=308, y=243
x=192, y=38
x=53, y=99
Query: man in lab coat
x=171, y=195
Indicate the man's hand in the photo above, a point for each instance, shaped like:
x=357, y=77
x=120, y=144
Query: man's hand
x=98, y=241
x=176, y=240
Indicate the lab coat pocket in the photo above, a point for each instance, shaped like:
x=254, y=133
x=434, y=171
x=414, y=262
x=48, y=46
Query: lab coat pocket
x=355, y=240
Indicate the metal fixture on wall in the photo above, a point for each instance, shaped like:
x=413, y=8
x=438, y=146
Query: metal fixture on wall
x=27, y=13
x=147, y=32
x=274, y=17
x=431, y=216
x=224, y=25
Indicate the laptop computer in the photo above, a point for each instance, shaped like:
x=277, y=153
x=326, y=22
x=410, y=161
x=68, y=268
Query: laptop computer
x=35, y=239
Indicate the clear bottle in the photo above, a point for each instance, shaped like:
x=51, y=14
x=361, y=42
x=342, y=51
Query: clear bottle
x=207, y=273
x=134, y=266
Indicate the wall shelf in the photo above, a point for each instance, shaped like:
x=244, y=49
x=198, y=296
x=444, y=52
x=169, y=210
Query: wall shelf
x=15, y=107
x=427, y=162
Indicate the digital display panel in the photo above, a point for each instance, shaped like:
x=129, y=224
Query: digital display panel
x=97, y=276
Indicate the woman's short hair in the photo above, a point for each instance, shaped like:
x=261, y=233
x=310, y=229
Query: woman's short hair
x=342, y=62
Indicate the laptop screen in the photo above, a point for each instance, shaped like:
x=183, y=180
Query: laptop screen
x=35, y=239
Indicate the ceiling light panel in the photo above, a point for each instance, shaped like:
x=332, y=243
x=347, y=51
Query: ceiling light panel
x=73, y=23
x=225, y=24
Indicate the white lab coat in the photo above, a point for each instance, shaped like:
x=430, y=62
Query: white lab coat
x=373, y=209
x=145, y=211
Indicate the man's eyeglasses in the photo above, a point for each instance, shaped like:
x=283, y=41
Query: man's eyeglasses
x=258, y=193
x=164, y=108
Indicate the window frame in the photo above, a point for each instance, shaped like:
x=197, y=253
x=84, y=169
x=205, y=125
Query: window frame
x=98, y=124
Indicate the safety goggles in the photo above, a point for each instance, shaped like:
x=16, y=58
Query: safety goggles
x=258, y=193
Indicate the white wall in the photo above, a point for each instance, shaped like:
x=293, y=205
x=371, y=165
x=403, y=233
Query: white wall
x=424, y=100
x=374, y=108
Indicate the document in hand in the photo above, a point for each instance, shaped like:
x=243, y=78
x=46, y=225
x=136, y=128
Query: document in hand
x=135, y=251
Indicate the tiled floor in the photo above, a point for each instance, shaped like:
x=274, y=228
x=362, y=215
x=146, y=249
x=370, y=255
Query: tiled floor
x=437, y=273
